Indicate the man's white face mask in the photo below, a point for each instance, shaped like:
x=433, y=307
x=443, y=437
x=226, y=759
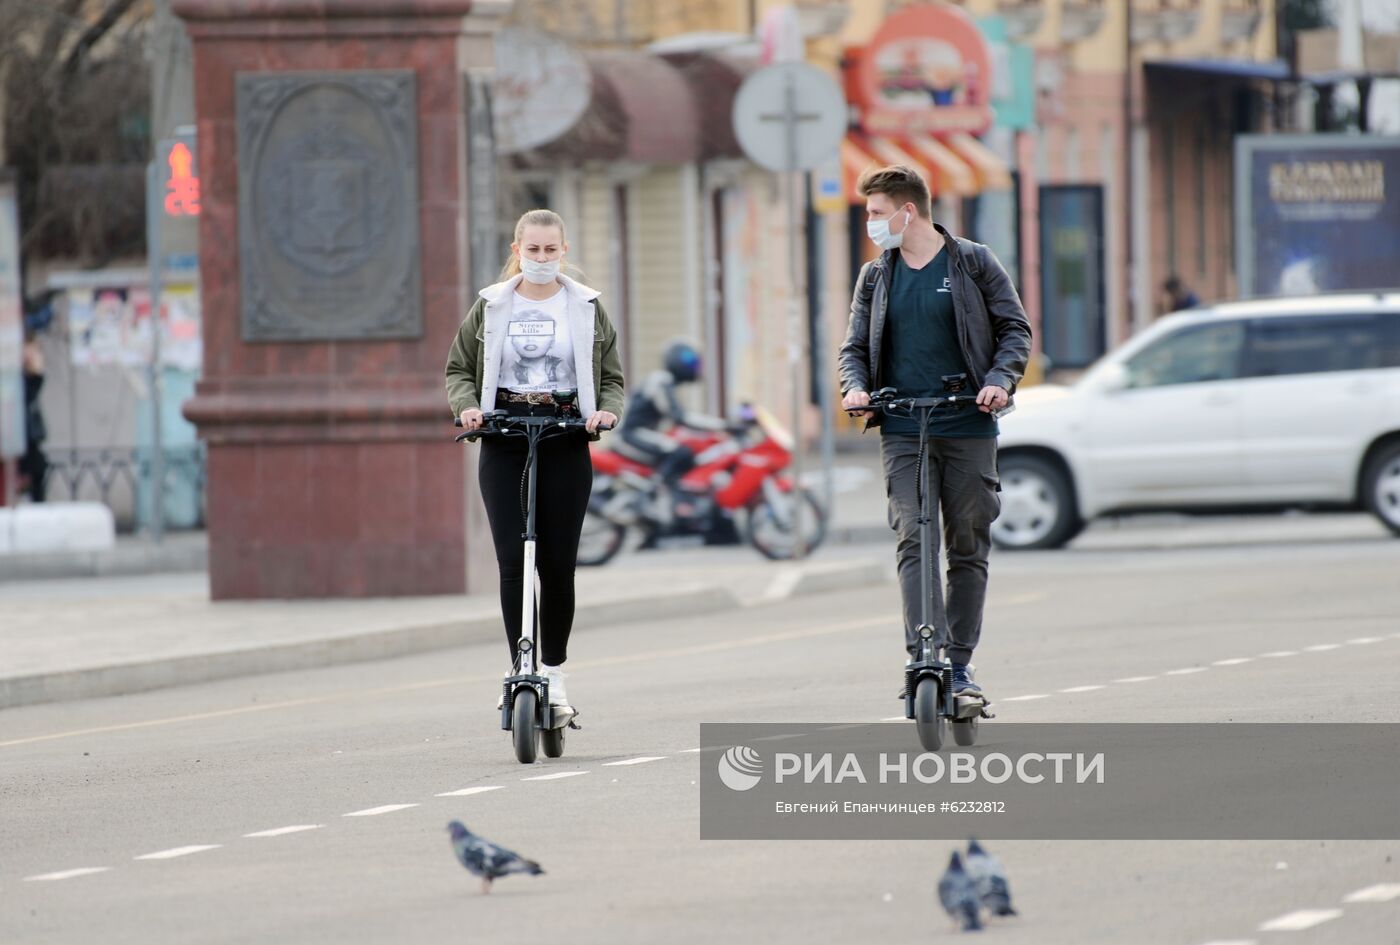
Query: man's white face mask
x=879, y=232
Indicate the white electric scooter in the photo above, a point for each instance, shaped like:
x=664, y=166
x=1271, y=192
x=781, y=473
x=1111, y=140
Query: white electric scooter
x=525, y=709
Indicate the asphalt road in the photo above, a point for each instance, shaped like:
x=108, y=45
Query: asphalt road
x=102, y=784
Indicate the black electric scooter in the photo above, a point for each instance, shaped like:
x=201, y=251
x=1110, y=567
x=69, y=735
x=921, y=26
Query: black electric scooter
x=525, y=709
x=928, y=678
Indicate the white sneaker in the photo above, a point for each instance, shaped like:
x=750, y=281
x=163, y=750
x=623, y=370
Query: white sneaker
x=555, y=675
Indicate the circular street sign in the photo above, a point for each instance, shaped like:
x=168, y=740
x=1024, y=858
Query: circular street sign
x=789, y=116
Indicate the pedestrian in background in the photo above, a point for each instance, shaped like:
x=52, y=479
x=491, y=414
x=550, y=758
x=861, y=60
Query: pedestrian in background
x=1178, y=295
x=535, y=332
x=34, y=464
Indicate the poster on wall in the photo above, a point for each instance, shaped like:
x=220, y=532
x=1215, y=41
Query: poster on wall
x=112, y=326
x=11, y=328
x=1316, y=213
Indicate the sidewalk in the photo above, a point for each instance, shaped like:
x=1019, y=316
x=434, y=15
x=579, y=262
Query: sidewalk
x=86, y=638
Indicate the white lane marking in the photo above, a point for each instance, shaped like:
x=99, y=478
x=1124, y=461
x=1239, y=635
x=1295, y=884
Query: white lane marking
x=896, y=718
x=1383, y=892
x=691, y=751
x=778, y=738
x=555, y=776
x=782, y=586
x=1034, y=695
x=633, y=761
x=469, y=791
x=176, y=851
x=66, y=874
x=1320, y=647
x=1234, y=662
x=1362, y=641
x=1277, y=653
x=1185, y=672
x=1300, y=920
x=1082, y=688
x=280, y=831
x=841, y=728
x=375, y=811
x=1135, y=679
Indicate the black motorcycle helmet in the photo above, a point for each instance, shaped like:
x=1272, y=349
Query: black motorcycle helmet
x=682, y=360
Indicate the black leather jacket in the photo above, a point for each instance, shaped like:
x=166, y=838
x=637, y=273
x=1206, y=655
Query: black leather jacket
x=993, y=331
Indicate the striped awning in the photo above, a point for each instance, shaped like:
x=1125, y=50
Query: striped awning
x=954, y=164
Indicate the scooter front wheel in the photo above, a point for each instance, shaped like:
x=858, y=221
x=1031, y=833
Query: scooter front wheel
x=927, y=718
x=524, y=725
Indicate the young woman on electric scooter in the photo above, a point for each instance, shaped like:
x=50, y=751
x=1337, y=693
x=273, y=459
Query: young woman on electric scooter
x=535, y=333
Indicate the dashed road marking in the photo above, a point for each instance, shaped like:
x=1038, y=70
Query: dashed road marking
x=1321, y=647
x=468, y=792
x=1135, y=679
x=375, y=811
x=633, y=761
x=1234, y=662
x=778, y=738
x=280, y=831
x=1362, y=641
x=896, y=718
x=66, y=874
x=1185, y=672
x=176, y=851
x=1300, y=920
x=1383, y=892
x=1280, y=653
x=1083, y=688
x=1034, y=695
x=555, y=776
x=691, y=751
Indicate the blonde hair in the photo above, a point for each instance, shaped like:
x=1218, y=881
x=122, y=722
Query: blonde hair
x=530, y=218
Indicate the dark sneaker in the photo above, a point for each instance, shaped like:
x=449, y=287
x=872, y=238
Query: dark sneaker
x=962, y=681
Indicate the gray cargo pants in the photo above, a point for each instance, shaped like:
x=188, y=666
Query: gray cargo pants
x=963, y=484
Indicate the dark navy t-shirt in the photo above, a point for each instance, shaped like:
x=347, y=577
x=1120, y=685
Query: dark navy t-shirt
x=921, y=348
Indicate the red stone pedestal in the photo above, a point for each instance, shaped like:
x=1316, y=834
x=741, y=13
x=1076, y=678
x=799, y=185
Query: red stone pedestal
x=331, y=470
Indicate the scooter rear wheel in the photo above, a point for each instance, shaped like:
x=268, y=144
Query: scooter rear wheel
x=965, y=731
x=524, y=725
x=927, y=718
x=553, y=741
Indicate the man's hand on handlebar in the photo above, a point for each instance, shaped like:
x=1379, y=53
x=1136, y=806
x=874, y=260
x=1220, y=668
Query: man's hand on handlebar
x=601, y=418
x=471, y=420
x=854, y=400
x=992, y=398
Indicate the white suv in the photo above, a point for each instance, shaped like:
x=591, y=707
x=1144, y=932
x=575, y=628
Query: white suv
x=1266, y=404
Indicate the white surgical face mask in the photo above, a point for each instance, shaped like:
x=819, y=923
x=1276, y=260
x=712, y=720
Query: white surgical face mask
x=540, y=273
x=879, y=232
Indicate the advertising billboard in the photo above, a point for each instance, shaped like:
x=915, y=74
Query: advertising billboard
x=1316, y=213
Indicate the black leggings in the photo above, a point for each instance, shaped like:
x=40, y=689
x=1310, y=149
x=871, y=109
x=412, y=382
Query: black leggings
x=563, y=485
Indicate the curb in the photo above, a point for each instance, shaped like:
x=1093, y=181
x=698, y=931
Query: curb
x=172, y=558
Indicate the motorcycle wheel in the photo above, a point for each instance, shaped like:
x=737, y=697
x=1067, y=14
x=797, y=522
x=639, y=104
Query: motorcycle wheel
x=600, y=540
x=773, y=534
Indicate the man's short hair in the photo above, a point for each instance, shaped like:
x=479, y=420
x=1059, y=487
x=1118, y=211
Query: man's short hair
x=901, y=183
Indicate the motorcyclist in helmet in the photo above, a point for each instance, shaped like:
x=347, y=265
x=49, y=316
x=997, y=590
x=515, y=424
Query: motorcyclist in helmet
x=653, y=408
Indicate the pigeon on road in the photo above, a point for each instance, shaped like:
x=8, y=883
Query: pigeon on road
x=958, y=895
x=990, y=878
x=483, y=858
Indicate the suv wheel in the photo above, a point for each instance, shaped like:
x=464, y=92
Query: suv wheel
x=1038, y=508
x=1380, y=486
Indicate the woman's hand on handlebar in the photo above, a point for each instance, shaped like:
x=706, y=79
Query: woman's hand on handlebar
x=600, y=418
x=471, y=420
x=854, y=400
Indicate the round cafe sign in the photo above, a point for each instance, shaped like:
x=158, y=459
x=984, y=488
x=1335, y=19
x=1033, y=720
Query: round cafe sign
x=926, y=70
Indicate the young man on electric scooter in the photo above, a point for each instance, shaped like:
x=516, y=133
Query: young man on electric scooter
x=934, y=315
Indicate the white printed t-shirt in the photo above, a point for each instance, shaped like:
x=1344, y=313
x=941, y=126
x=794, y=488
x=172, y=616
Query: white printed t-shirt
x=539, y=352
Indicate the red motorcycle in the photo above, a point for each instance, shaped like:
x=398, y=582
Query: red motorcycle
x=733, y=474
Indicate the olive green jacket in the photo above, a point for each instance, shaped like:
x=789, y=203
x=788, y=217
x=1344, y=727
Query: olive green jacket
x=474, y=364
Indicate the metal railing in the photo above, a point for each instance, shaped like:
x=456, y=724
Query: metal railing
x=115, y=476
